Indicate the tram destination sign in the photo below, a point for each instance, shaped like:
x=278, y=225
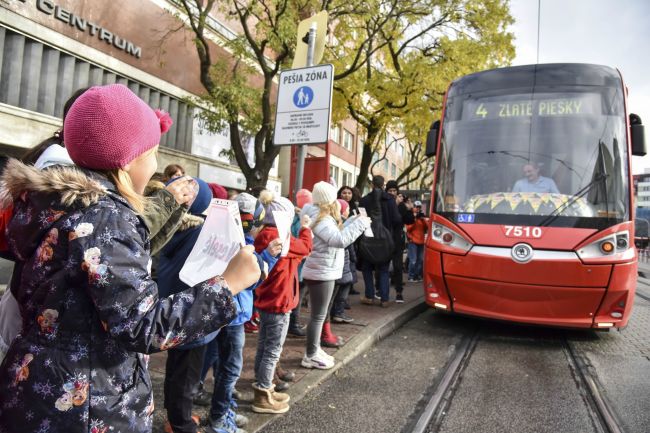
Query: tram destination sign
x=552, y=106
x=304, y=106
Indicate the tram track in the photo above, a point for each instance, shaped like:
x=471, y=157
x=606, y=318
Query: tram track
x=442, y=392
x=597, y=402
x=444, y=389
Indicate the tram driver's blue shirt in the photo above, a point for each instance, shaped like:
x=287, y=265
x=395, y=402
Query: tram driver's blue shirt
x=542, y=184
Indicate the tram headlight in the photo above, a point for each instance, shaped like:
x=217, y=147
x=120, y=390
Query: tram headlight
x=615, y=246
x=449, y=238
x=607, y=247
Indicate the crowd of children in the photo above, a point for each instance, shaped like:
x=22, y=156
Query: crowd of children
x=84, y=306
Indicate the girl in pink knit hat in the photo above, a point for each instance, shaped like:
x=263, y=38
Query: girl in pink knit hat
x=296, y=329
x=93, y=287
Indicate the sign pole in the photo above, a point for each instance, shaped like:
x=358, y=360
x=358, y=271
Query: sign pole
x=302, y=150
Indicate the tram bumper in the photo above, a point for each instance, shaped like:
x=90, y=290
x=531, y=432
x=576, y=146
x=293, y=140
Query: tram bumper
x=551, y=290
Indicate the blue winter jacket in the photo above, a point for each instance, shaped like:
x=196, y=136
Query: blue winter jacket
x=172, y=259
x=295, y=230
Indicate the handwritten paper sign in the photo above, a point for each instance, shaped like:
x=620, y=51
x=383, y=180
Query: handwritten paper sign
x=220, y=239
x=283, y=222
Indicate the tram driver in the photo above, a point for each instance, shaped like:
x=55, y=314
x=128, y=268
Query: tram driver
x=533, y=182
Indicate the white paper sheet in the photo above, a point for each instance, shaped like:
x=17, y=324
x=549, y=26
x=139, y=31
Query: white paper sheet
x=283, y=221
x=220, y=239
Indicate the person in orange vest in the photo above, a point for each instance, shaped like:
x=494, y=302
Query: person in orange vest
x=416, y=233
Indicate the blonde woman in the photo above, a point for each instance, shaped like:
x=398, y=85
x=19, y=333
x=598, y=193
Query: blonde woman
x=325, y=265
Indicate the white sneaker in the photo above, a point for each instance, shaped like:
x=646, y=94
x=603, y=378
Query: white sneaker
x=324, y=354
x=317, y=361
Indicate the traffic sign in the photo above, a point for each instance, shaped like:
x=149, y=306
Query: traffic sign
x=304, y=106
x=300, y=58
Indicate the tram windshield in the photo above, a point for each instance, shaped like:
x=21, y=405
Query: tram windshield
x=555, y=157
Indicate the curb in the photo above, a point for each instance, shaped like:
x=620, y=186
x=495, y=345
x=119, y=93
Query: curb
x=356, y=346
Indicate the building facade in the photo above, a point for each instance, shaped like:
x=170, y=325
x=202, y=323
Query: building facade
x=642, y=189
x=50, y=48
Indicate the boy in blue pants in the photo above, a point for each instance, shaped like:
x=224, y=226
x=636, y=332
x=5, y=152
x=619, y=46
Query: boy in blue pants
x=226, y=350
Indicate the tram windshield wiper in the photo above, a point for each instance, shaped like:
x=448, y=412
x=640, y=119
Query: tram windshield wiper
x=558, y=210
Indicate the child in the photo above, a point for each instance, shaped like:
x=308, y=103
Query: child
x=183, y=362
x=228, y=346
x=51, y=152
x=276, y=297
x=328, y=338
x=343, y=285
x=86, y=325
x=325, y=265
x=303, y=198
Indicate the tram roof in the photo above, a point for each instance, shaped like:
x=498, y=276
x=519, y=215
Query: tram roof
x=527, y=76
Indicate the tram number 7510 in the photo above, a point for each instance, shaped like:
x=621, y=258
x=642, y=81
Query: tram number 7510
x=523, y=232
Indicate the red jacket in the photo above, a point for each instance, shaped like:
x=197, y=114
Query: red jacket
x=278, y=293
x=416, y=231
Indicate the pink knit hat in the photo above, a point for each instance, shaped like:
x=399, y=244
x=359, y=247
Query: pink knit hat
x=109, y=126
x=303, y=197
x=344, y=205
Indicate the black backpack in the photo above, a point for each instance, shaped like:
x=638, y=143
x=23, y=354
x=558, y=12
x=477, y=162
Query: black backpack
x=379, y=248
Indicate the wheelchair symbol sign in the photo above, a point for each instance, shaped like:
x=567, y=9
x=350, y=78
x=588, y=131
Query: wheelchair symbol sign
x=465, y=218
x=303, y=97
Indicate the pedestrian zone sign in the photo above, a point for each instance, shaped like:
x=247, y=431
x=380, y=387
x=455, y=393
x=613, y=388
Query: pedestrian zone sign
x=304, y=106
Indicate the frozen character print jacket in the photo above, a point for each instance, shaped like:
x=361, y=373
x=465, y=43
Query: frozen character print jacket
x=90, y=310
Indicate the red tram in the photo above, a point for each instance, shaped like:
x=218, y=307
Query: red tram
x=531, y=213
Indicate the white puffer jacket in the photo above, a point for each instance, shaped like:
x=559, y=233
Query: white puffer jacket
x=327, y=257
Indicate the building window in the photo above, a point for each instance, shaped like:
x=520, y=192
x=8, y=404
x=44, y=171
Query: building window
x=334, y=173
x=393, y=170
x=386, y=166
x=44, y=89
x=387, y=140
x=348, y=139
x=346, y=178
x=400, y=150
x=335, y=134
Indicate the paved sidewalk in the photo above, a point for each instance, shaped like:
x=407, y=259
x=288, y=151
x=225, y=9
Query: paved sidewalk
x=644, y=265
x=371, y=324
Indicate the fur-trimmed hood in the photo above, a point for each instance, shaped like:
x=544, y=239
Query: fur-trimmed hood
x=190, y=221
x=41, y=198
x=73, y=185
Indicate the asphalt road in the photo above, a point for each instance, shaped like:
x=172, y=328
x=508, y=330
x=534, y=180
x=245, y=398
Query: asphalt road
x=517, y=379
x=380, y=390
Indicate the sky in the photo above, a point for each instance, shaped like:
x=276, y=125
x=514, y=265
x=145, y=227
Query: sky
x=607, y=32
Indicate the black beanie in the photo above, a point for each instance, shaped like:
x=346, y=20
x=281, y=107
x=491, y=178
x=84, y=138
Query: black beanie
x=391, y=184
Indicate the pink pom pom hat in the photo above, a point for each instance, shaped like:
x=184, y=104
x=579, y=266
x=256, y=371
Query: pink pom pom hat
x=303, y=197
x=109, y=126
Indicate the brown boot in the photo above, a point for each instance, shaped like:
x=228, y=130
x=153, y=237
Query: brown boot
x=284, y=375
x=264, y=402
